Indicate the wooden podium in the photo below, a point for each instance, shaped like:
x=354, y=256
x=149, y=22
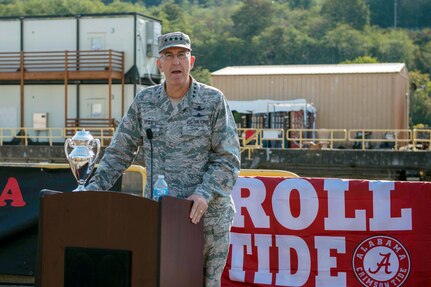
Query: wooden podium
x=97, y=238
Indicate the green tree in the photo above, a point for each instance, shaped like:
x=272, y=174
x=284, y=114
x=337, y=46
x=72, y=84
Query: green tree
x=202, y=75
x=420, y=99
x=300, y=4
x=424, y=58
x=361, y=60
x=392, y=46
x=409, y=14
x=422, y=39
x=381, y=12
x=352, y=12
x=117, y=6
x=211, y=23
x=51, y=7
x=252, y=18
x=343, y=43
x=283, y=45
x=310, y=22
x=219, y=52
x=173, y=16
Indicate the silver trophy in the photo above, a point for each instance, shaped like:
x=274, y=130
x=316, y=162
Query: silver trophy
x=82, y=157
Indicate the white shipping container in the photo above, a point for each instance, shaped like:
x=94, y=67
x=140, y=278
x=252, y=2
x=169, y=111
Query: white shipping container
x=83, y=44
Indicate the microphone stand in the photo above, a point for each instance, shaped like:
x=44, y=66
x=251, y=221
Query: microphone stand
x=150, y=138
x=151, y=168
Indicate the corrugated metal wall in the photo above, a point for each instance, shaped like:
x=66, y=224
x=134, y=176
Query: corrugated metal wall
x=350, y=101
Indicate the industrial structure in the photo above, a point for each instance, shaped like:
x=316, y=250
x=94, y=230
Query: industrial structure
x=78, y=70
x=346, y=96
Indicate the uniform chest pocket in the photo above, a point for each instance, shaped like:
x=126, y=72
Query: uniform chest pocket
x=195, y=131
x=199, y=135
x=196, y=137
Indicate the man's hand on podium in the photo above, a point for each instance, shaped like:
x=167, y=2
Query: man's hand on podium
x=199, y=207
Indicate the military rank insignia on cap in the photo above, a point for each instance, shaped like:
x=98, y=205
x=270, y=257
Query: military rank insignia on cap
x=174, y=39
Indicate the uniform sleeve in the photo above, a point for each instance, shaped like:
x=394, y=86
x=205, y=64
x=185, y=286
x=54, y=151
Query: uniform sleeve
x=224, y=158
x=120, y=153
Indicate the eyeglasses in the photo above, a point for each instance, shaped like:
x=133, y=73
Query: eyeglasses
x=169, y=57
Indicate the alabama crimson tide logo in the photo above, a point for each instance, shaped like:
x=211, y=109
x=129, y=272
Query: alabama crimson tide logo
x=381, y=261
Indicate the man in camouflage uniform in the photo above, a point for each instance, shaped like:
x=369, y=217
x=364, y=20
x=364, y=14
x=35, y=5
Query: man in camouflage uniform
x=195, y=145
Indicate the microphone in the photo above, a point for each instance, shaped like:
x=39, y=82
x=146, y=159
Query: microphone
x=149, y=133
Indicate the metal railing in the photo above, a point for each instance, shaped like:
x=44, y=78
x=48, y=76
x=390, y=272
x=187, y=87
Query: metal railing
x=316, y=138
x=388, y=139
x=421, y=139
x=50, y=136
x=250, y=139
x=380, y=138
x=256, y=138
x=15, y=65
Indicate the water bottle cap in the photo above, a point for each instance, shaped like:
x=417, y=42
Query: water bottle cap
x=161, y=176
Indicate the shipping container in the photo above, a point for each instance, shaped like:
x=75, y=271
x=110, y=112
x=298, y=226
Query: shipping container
x=87, y=66
x=275, y=115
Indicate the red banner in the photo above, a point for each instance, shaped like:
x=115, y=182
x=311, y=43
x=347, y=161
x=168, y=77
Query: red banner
x=329, y=233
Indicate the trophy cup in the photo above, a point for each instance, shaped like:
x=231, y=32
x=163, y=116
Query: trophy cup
x=82, y=157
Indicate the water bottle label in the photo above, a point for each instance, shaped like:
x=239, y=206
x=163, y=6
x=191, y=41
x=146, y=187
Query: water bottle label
x=159, y=192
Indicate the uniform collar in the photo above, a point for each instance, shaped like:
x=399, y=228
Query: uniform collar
x=192, y=97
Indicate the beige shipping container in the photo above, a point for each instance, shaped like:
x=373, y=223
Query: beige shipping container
x=346, y=96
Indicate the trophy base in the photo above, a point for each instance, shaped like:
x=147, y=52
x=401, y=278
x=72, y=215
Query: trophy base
x=80, y=187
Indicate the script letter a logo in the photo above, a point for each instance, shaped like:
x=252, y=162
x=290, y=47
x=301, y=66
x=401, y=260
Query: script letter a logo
x=384, y=263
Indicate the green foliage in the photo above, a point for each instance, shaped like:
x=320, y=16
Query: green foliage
x=420, y=99
x=343, y=43
x=422, y=39
x=300, y=4
x=424, y=57
x=50, y=7
x=309, y=22
x=409, y=14
x=361, y=60
x=220, y=52
x=65, y=7
x=117, y=6
x=352, y=12
x=202, y=75
x=252, y=18
x=174, y=17
x=393, y=46
x=283, y=45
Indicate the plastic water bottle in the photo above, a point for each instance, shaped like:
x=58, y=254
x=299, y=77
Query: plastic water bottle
x=160, y=188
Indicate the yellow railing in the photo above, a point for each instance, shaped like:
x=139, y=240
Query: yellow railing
x=383, y=138
x=38, y=135
x=50, y=136
x=389, y=139
x=6, y=134
x=421, y=139
x=103, y=134
x=316, y=138
x=251, y=139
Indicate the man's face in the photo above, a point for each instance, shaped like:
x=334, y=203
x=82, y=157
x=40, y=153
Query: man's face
x=176, y=63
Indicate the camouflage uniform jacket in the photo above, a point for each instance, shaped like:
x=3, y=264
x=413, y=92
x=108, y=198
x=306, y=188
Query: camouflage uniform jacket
x=195, y=146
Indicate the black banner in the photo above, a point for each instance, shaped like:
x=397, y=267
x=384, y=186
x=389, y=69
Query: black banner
x=20, y=188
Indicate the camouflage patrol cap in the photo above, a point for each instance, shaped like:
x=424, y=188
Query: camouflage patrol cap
x=174, y=39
